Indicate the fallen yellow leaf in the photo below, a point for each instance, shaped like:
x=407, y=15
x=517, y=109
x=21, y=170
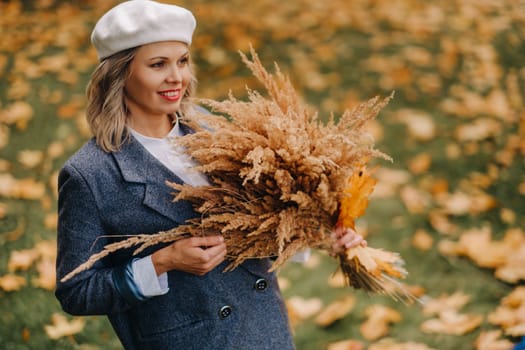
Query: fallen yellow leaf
x=30, y=158
x=451, y=322
x=378, y=322
x=21, y=260
x=416, y=200
x=346, y=345
x=61, y=327
x=11, y=283
x=392, y=344
x=300, y=308
x=445, y=303
x=422, y=240
x=420, y=163
x=4, y=136
x=510, y=314
x=46, y=274
x=419, y=123
x=18, y=113
x=335, y=311
x=490, y=340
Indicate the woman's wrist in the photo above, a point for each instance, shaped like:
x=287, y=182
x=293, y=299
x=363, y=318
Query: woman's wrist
x=159, y=263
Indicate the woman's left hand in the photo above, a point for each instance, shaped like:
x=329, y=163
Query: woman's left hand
x=345, y=238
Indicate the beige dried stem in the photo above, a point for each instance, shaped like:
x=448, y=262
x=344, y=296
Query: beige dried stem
x=278, y=177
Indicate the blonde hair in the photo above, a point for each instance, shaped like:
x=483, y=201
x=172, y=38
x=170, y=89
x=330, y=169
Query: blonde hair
x=106, y=111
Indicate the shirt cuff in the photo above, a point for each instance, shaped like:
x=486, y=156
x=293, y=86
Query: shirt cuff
x=146, y=279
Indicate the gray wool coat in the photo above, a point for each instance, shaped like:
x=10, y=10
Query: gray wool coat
x=104, y=196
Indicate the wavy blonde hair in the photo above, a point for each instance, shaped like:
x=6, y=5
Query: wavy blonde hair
x=106, y=111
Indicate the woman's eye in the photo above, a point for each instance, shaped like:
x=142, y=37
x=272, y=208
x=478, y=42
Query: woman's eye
x=184, y=61
x=157, y=64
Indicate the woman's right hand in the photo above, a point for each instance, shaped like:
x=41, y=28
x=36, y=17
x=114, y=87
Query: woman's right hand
x=195, y=255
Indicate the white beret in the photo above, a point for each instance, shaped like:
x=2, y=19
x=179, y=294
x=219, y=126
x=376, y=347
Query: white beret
x=139, y=22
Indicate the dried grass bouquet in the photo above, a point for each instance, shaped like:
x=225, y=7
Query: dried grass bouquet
x=280, y=180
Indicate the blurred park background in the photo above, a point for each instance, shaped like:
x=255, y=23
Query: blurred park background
x=452, y=203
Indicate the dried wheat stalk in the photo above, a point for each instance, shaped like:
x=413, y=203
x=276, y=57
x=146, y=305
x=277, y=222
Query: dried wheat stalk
x=280, y=180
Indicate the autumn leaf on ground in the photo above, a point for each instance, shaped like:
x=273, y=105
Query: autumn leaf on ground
x=4, y=136
x=392, y=344
x=27, y=188
x=346, y=345
x=284, y=283
x=513, y=270
x=477, y=244
x=452, y=322
x=422, y=240
x=420, y=164
x=478, y=129
x=47, y=249
x=419, y=123
x=507, y=256
x=389, y=181
x=445, y=302
x=335, y=311
x=416, y=200
x=18, y=113
x=300, y=308
x=21, y=260
x=510, y=314
x=463, y=203
x=337, y=280
x=30, y=158
x=12, y=283
x=61, y=327
x=491, y=340
x=379, y=319
x=46, y=274
x=50, y=221
x=441, y=222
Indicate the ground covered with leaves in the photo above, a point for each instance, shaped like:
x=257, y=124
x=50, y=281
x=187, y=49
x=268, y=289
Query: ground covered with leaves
x=452, y=202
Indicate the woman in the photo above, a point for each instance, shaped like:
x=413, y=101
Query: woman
x=174, y=296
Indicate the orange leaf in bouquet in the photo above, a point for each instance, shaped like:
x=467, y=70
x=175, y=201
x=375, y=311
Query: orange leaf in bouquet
x=368, y=268
x=355, y=197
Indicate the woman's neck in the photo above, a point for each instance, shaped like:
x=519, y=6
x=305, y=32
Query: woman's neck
x=157, y=128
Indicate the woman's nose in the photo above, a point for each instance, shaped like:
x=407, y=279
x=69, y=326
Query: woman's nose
x=174, y=75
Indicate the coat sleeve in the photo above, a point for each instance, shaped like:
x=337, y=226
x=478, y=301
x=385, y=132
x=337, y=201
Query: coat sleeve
x=80, y=233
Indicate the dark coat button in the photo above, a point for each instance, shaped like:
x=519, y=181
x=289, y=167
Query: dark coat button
x=261, y=284
x=225, y=311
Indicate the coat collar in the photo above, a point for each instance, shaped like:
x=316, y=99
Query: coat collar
x=137, y=165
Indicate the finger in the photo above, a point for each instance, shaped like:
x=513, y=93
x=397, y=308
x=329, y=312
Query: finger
x=216, y=250
x=344, y=240
x=211, y=262
x=354, y=241
x=339, y=231
x=208, y=241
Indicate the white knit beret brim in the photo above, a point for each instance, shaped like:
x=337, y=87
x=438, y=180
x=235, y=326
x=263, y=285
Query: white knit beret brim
x=139, y=22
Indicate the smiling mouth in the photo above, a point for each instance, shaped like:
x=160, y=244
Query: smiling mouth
x=171, y=95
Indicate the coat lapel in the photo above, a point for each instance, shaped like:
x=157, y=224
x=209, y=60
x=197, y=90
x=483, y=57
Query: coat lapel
x=137, y=165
